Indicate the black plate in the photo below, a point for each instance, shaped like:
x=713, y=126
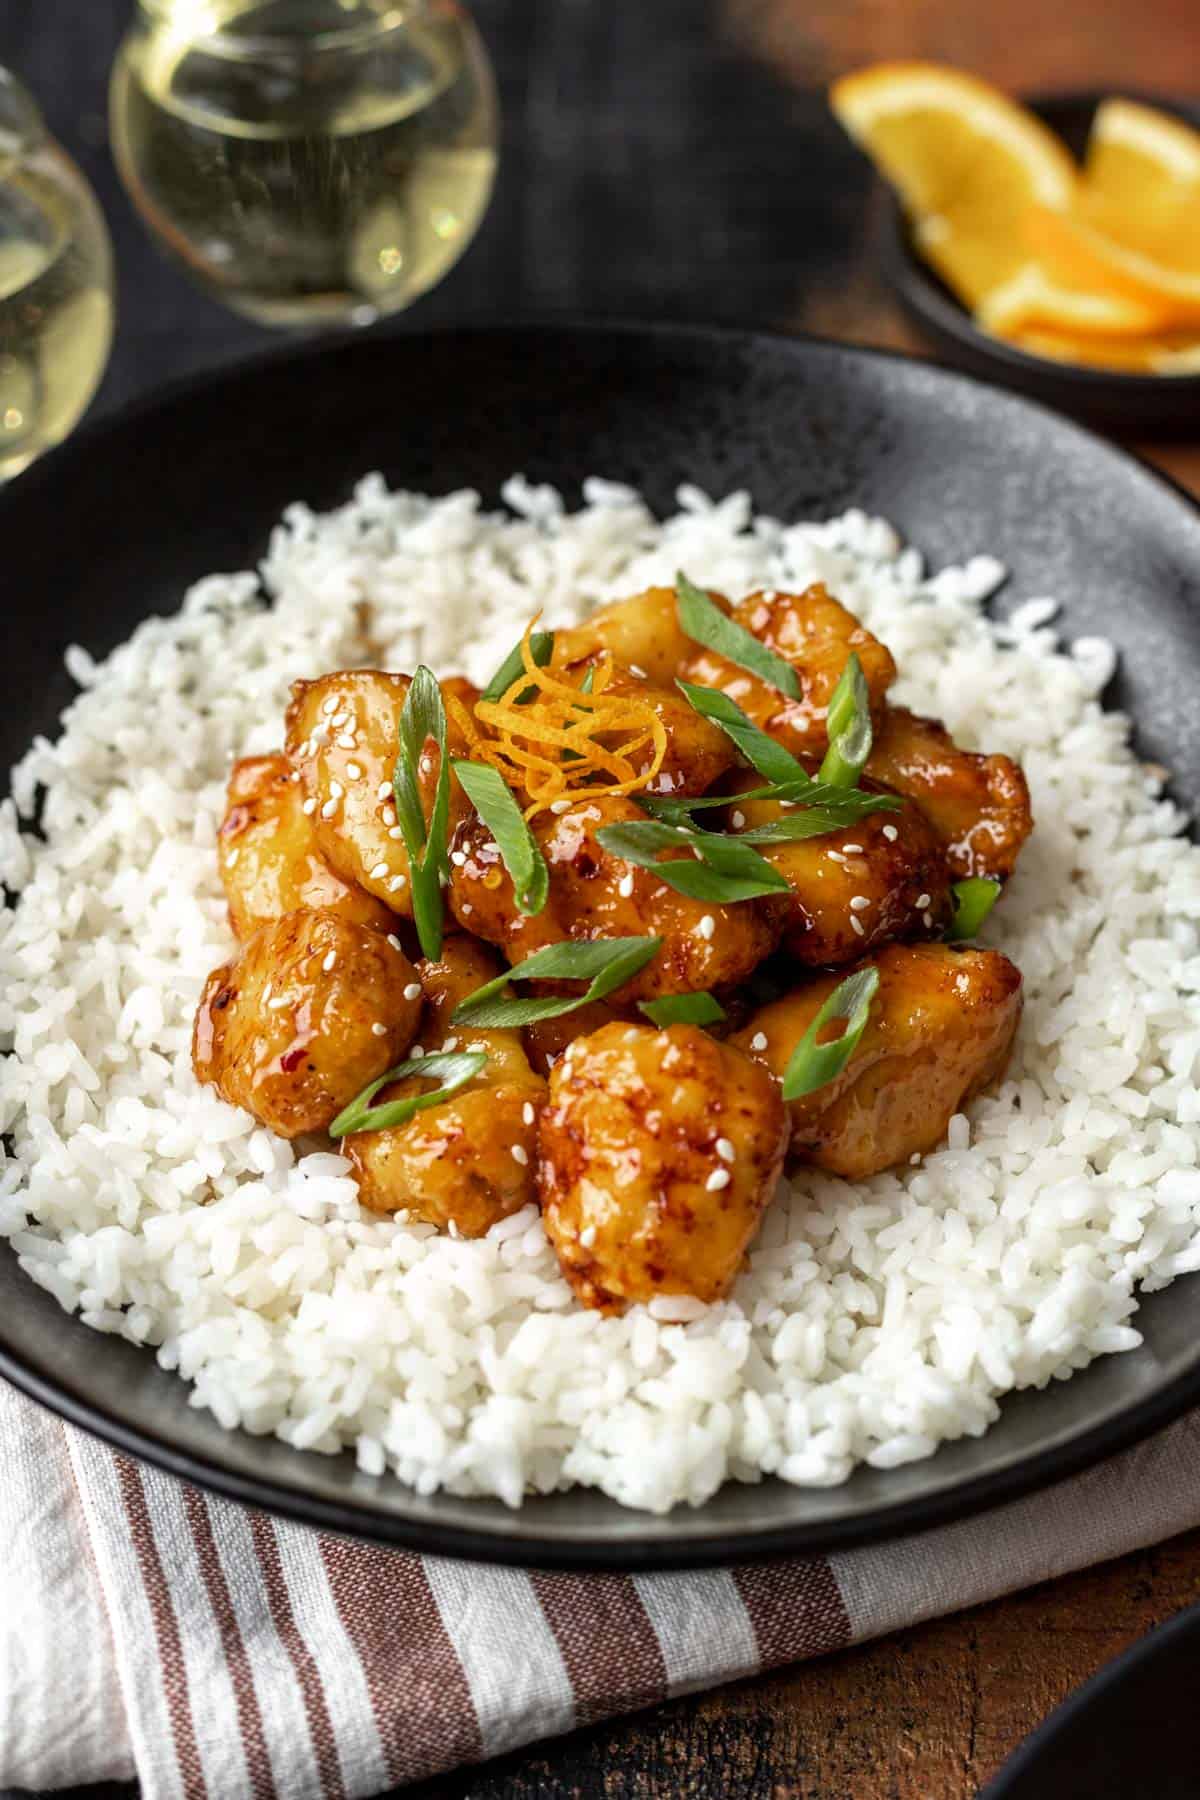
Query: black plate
x=1125, y=1735
x=1168, y=405
x=115, y=525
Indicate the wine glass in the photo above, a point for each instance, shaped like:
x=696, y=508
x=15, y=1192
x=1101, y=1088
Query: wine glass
x=309, y=162
x=56, y=285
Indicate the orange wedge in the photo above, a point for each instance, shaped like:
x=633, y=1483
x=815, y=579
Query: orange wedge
x=967, y=162
x=1034, y=299
x=1169, y=354
x=1134, y=232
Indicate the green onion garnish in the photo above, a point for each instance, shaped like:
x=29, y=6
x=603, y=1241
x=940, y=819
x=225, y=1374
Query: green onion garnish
x=423, y=718
x=541, y=648
x=453, y=1070
x=683, y=1009
x=811, y=1064
x=768, y=757
x=492, y=799
x=727, y=871
x=605, y=963
x=706, y=624
x=973, y=901
x=848, y=724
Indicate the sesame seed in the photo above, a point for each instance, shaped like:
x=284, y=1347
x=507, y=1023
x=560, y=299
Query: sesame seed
x=759, y=1041
x=384, y=790
x=339, y=718
x=309, y=807
x=835, y=856
x=267, y=994
x=451, y=1043
x=378, y=872
x=329, y=808
x=927, y=919
x=425, y=765
x=587, y=1236
x=277, y=1002
x=859, y=903
x=707, y=926
x=639, y=672
x=330, y=959
x=413, y=990
x=347, y=741
x=396, y=883
x=417, y=1052
x=329, y=704
x=467, y=908
x=737, y=819
x=379, y=1029
x=625, y=886
x=458, y=858
x=922, y=902
x=890, y=833
x=719, y=1178
x=354, y=771
x=559, y=806
x=852, y=849
x=857, y=926
x=725, y=1150
x=520, y=1154
x=231, y=859
x=527, y=1112
x=395, y=831
x=388, y=815
x=336, y=790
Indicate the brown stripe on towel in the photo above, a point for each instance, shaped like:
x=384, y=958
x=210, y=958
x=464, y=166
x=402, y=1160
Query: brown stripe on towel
x=258, y=1759
x=308, y=1675
x=171, y=1665
x=423, y=1708
x=610, y=1649
x=795, y=1607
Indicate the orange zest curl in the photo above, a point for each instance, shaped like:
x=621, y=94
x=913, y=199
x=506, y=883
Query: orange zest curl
x=564, y=742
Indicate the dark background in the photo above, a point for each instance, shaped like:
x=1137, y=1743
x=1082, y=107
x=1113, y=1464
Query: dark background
x=651, y=165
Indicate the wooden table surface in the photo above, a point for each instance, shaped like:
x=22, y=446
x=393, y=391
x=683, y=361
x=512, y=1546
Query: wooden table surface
x=745, y=203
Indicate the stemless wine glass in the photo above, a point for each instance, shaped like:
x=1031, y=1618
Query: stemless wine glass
x=56, y=285
x=309, y=162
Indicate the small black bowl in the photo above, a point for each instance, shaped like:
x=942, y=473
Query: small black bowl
x=1128, y=405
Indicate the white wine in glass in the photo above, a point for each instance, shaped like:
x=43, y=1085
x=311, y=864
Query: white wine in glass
x=309, y=162
x=56, y=286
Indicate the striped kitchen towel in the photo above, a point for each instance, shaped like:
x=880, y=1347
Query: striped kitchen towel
x=148, y=1629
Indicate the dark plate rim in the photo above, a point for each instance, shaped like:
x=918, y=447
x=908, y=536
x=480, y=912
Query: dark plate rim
x=933, y=303
x=1021, y=1765
x=355, y=1517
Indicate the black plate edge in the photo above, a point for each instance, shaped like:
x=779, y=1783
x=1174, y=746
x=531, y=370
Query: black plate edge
x=906, y=1518
x=1021, y=1765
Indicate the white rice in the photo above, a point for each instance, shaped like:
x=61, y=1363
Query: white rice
x=872, y=1323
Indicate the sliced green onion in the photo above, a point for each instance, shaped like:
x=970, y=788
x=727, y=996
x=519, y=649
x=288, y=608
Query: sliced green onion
x=492, y=799
x=422, y=719
x=811, y=1064
x=819, y=809
x=683, y=1009
x=541, y=648
x=767, y=756
x=813, y=820
x=706, y=624
x=973, y=901
x=728, y=870
x=452, y=1070
x=848, y=725
x=605, y=963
